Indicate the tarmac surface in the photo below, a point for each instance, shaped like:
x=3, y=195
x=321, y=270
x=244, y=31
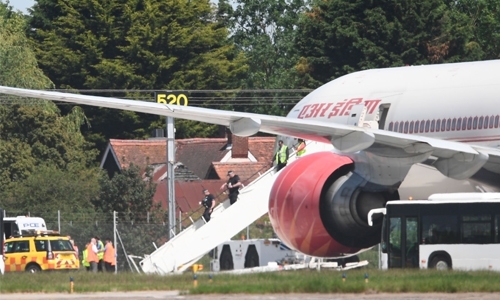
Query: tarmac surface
x=148, y=295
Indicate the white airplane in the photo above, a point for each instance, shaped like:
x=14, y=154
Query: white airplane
x=380, y=122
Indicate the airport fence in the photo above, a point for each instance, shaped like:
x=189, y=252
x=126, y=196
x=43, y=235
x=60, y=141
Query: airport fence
x=137, y=234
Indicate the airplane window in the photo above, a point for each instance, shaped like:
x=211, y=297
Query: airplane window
x=448, y=125
x=411, y=127
x=432, y=125
x=438, y=125
x=480, y=125
x=491, y=121
x=390, y=126
x=459, y=123
x=496, y=121
x=406, y=127
x=486, y=121
x=427, y=124
x=469, y=123
x=401, y=127
x=474, y=124
x=422, y=124
x=417, y=123
x=443, y=125
x=453, y=124
x=396, y=126
x=464, y=124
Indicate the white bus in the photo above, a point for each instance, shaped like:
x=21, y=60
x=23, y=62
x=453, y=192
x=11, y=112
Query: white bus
x=448, y=231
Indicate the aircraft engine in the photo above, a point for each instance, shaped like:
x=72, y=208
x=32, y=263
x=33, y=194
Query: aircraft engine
x=319, y=206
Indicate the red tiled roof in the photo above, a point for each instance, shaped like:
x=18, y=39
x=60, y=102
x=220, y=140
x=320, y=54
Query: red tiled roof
x=262, y=148
x=188, y=194
x=198, y=154
x=139, y=152
x=247, y=171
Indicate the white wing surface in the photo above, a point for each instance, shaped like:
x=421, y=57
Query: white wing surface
x=454, y=159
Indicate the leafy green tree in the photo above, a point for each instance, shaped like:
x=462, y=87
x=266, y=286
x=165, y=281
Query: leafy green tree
x=131, y=44
x=18, y=64
x=127, y=193
x=337, y=37
x=32, y=132
x=50, y=189
x=484, y=21
x=265, y=31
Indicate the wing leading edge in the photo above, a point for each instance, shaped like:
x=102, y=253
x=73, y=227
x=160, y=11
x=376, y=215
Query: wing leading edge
x=453, y=159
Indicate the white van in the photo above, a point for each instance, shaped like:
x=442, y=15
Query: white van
x=15, y=226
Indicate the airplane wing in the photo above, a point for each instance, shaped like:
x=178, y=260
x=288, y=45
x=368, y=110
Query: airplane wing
x=453, y=159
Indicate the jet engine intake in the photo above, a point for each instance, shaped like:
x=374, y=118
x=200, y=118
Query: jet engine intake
x=318, y=205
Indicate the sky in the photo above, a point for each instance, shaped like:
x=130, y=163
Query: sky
x=21, y=5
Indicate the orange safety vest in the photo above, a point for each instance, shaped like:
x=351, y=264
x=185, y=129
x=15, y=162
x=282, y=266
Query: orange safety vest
x=109, y=254
x=91, y=255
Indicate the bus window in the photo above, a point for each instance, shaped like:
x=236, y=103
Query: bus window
x=440, y=229
x=383, y=242
x=476, y=229
x=411, y=258
x=394, y=243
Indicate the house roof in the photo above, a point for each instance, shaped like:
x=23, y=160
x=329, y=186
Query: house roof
x=138, y=152
x=247, y=171
x=188, y=194
x=196, y=159
x=262, y=148
x=196, y=154
x=199, y=153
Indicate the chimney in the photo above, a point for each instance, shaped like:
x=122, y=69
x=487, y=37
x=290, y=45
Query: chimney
x=222, y=131
x=240, y=146
x=157, y=133
x=229, y=136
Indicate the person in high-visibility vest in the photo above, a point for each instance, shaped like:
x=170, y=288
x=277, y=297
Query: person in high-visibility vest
x=85, y=263
x=100, y=254
x=281, y=156
x=301, y=148
x=92, y=258
x=109, y=256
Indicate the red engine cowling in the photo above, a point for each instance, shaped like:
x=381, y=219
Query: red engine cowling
x=318, y=206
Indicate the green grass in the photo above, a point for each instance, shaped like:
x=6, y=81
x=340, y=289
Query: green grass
x=304, y=281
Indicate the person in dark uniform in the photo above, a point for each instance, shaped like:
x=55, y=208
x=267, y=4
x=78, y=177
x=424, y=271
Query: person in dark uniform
x=209, y=203
x=233, y=186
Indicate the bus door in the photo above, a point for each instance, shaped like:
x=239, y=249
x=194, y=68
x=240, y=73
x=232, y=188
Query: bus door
x=403, y=242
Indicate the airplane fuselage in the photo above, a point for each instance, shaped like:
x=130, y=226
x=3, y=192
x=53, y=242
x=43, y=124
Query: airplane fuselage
x=450, y=101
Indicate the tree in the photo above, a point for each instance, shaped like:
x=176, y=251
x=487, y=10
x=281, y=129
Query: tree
x=131, y=44
x=127, y=192
x=484, y=21
x=265, y=31
x=32, y=132
x=338, y=37
x=49, y=189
